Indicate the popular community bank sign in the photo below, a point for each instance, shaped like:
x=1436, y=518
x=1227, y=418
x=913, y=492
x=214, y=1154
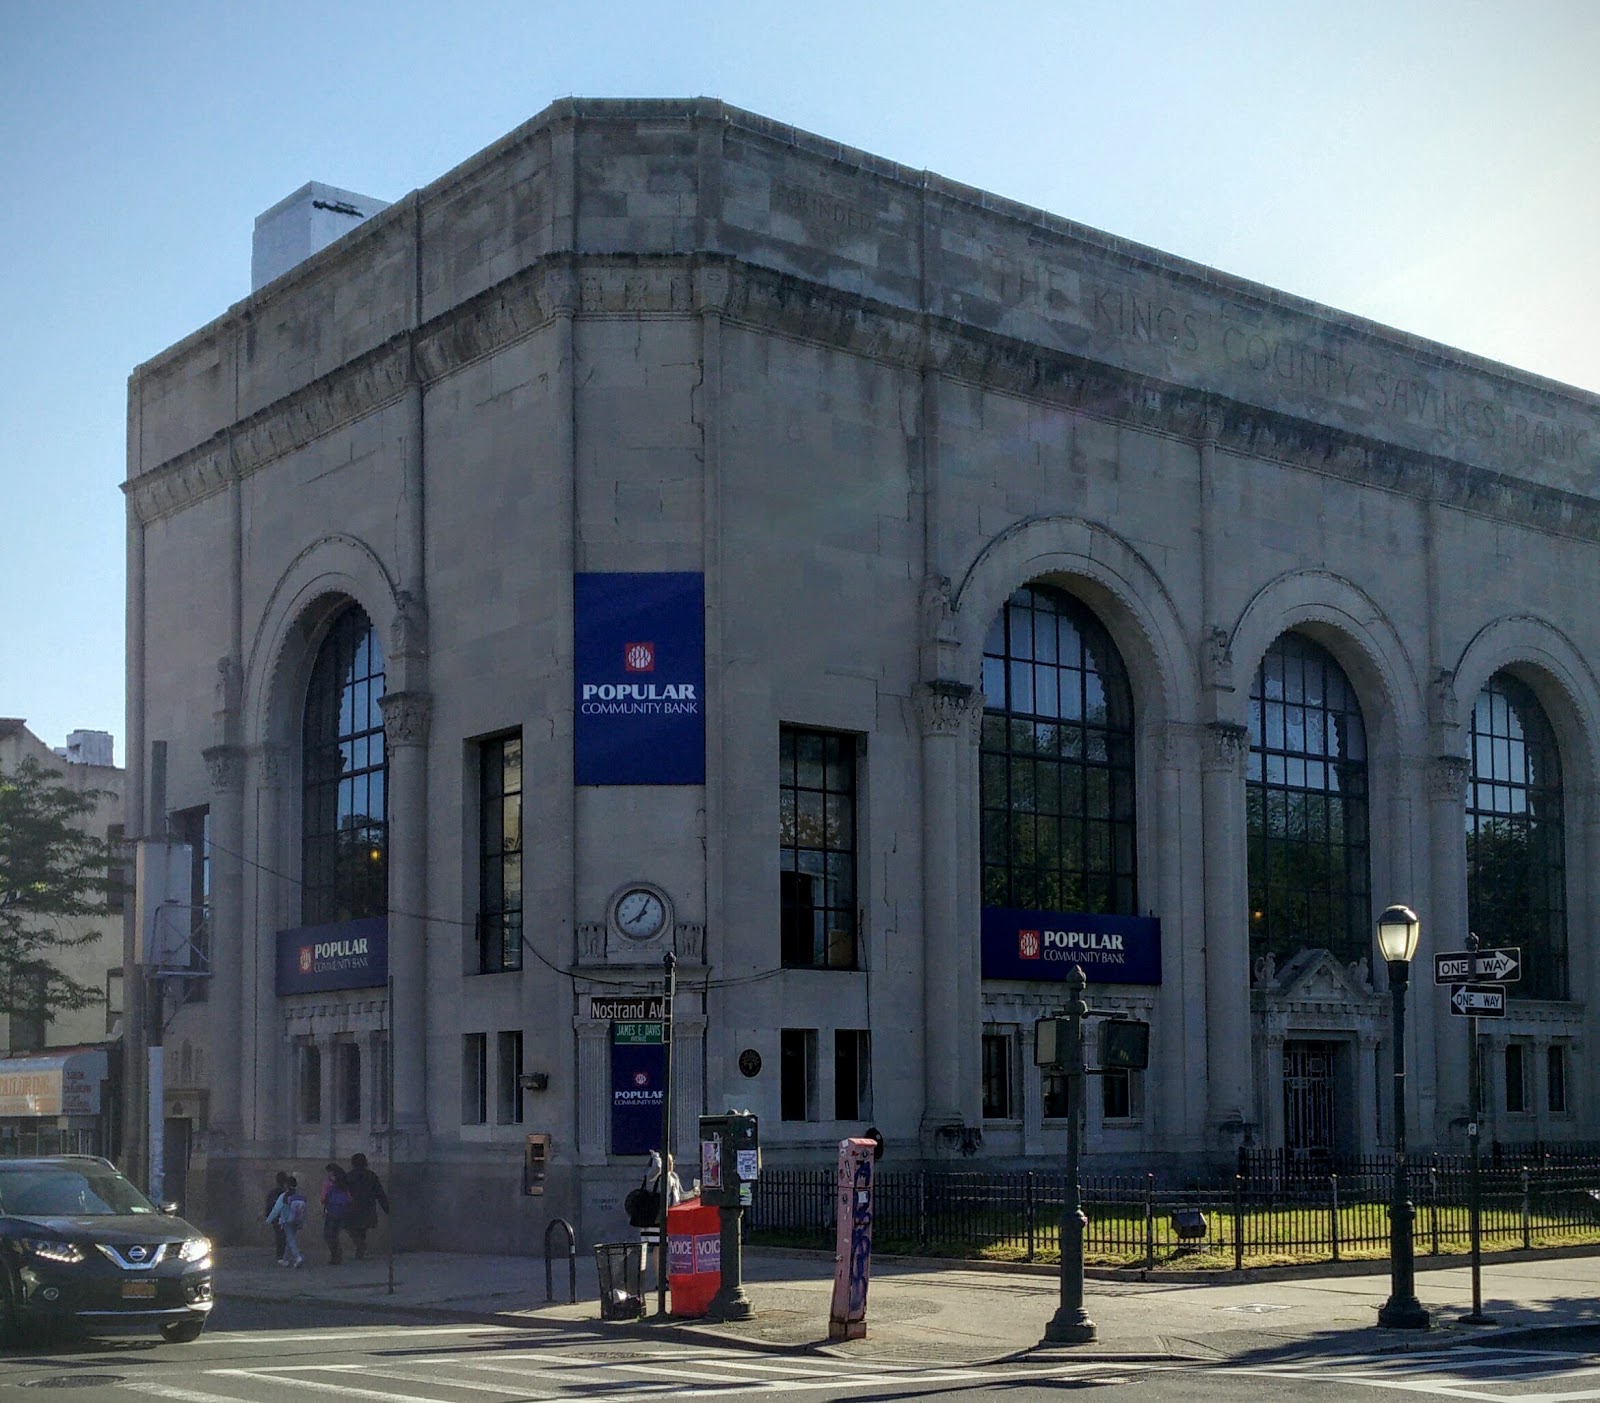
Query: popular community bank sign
x=1050, y=944
x=639, y=646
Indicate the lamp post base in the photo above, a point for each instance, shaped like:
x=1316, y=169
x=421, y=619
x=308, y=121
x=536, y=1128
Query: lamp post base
x=1404, y=1314
x=1071, y=1327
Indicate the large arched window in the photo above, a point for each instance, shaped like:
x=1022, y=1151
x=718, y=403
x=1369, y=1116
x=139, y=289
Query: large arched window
x=344, y=812
x=1516, y=875
x=1306, y=806
x=1057, y=761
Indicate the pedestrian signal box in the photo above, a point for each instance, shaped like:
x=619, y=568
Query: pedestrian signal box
x=1124, y=1044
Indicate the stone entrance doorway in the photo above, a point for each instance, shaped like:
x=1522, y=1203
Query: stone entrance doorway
x=1309, y=1101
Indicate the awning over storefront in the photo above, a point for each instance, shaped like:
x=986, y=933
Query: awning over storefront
x=59, y=1084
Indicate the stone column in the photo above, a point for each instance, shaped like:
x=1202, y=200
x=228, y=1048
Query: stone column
x=1273, y=1129
x=1368, y=1139
x=594, y=1087
x=264, y=1121
x=406, y=717
x=225, y=766
x=1229, y=1088
x=951, y=1002
x=1445, y=928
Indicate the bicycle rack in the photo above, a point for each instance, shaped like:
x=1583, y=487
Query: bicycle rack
x=572, y=1260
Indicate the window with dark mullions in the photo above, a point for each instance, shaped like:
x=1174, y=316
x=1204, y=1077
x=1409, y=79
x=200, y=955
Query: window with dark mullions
x=344, y=809
x=1306, y=807
x=500, y=854
x=817, y=848
x=1056, y=762
x=1516, y=836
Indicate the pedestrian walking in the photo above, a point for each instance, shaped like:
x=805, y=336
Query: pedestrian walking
x=335, y=1205
x=289, y=1213
x=366, y=1198
x=646, y=1216
x=279, y=1181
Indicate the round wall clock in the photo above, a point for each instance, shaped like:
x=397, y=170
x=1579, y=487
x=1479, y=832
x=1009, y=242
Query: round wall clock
x=639, y=912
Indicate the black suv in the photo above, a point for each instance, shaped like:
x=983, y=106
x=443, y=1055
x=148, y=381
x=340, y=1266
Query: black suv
x=79, y=1245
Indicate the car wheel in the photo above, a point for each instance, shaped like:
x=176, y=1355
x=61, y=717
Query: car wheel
x=182, y=1332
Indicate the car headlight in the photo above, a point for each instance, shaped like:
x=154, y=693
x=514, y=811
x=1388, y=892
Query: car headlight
x=47, y=1250
x=195, y=1249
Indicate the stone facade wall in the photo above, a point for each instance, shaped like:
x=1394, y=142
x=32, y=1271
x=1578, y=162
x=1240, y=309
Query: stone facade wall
x=867, y=404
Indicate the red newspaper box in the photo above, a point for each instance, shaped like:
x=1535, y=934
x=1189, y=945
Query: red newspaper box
x=694, y=1255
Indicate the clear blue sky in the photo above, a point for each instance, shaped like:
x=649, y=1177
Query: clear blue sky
x=1432, y=165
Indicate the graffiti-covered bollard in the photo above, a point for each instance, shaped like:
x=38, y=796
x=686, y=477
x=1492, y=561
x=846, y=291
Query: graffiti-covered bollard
x=852, y=1261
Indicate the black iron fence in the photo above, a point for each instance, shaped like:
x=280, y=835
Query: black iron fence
x=1252, y=1220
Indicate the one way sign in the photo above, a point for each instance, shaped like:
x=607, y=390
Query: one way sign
x=1478, y=1000
x=1502, y=966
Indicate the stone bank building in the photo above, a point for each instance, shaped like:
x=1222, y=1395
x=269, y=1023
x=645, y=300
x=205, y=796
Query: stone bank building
x=674, y=532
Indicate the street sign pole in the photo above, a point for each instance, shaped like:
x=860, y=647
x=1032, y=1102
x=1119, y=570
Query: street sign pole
x=1474, y=1184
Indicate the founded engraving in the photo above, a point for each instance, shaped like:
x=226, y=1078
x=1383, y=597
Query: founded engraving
x=821, y=211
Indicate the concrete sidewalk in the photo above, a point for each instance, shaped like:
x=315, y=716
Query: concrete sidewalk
x=934, y=1312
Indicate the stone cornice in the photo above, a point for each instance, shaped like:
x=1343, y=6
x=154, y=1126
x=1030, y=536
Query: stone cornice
x=771, y=302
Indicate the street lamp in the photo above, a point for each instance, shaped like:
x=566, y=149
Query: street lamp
x=1398, y=933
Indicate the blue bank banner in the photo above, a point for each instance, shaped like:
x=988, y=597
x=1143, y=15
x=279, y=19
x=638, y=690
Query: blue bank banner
x=1047, y=944
x=340, y=955
x=638, y=1079
x=639, y=652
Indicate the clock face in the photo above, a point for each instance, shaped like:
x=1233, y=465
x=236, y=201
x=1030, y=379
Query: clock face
x=640, y=913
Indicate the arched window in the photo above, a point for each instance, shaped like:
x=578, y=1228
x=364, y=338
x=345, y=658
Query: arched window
x=344, y=813
x=1057, y=761
x=1516, y=873
x=1306, y=807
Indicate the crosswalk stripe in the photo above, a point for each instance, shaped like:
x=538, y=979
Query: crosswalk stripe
x=183, y=1395
x=344, y=1390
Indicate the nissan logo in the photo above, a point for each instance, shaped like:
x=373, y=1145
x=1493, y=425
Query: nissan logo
x=136, y=1254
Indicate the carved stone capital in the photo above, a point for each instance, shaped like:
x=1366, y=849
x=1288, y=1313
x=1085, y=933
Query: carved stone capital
x=1447, y=778
x=225, y=768
x=558, y=290
x=712, y=286
x=947, y=708
x=1226, y=745
x=406, y=717
x=592, y=942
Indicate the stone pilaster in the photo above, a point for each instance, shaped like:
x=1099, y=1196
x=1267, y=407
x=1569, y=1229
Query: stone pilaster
x=1224, y=748
x=225, y=765
x=263, y=1121
x=948, y=714
x=594, y=1089
x=1445, y=928
x=406, y=719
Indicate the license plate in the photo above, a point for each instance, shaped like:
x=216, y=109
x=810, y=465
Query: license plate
x=138, y=1290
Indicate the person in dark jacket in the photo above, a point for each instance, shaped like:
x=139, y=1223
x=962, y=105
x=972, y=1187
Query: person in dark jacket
x=366, y=1198
x=335, y=1205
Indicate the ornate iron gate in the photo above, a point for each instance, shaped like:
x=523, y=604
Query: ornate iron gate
x=1308, y=1100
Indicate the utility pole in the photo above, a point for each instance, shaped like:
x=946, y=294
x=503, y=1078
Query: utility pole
x=1071, y=1324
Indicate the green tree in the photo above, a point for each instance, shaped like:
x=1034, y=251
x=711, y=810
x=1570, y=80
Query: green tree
x=54, y=883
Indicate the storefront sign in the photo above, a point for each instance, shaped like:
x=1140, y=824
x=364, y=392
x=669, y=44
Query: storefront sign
x=639, y=662
x=341, y=955
x=1048, y=944
x=64, y=1085
x=638, y=1078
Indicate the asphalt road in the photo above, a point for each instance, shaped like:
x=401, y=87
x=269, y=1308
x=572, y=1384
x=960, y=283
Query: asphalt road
x=259, y=1353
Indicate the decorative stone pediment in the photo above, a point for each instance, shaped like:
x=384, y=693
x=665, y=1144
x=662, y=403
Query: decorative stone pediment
x=1313, y=978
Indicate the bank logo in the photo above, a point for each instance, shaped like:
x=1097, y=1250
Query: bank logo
x=641, y=1078
x=1028, y=944
x=638, y=657
x=307, y=962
